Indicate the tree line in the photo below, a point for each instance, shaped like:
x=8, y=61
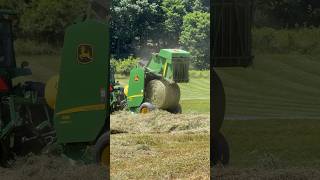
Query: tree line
x=141, y=26
x=287, y=13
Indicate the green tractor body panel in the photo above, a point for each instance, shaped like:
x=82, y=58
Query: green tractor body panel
x=170, y=64
x=82, y=99
x=173, y=53
x=136, y=87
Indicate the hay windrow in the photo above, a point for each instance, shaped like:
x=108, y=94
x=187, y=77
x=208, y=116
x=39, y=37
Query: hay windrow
x=160, y=122
x=48, y=167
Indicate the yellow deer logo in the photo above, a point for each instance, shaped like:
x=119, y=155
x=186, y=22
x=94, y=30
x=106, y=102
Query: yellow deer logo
x=85, y=53
x=136, y=78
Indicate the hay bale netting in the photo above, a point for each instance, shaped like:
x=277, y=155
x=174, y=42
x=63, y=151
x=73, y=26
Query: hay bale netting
x=162, y=94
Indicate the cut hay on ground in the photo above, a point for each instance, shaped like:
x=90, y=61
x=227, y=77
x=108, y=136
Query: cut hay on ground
x=159, y=122
x=160, y=145
x=46, y=167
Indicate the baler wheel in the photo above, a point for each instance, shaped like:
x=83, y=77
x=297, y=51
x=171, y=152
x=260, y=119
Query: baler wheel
x=102, y=150
x=219, y=103
x=221, y=152
x=146, y=108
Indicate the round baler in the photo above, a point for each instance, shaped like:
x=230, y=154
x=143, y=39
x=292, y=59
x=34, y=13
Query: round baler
x=155, y=84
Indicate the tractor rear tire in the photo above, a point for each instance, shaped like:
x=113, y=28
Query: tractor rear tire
x=221, y=153
x=162, y=94
x=102, y=150
x=219, y=104
x=5, y=155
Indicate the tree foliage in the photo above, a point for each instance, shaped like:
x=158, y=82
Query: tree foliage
x=174, y=12
x=134, y=22
x=195, y=37
x=45, y=20
x=140, y=24
x=287, y=13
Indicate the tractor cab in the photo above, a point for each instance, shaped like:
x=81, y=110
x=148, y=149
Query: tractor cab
x=8, y=67
x=7, y=58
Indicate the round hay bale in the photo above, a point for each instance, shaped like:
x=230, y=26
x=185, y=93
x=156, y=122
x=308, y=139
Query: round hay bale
x=162, y=94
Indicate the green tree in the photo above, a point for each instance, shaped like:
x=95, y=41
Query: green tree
x=174, y=12
x=134, y=22
x=197, y=5
x=18, y=6
x=47, y=20
x=287, y=13
x=195, y=37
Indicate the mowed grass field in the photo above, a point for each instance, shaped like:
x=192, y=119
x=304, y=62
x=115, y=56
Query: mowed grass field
x=273, y=118
x=277, y=86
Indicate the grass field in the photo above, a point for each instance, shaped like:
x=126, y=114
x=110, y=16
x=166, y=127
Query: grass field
x=277, y=86
x=274, y=143
x=272, y=149
x=274, y=118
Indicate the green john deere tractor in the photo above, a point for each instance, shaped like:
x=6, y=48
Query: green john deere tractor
x=71, y=111
x=25, y=118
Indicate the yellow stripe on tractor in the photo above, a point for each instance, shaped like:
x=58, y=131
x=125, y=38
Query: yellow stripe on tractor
x=94, y=107
x=134, y=96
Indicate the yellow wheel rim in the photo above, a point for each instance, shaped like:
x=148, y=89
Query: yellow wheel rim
x=144, y=110
x=105, y=156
